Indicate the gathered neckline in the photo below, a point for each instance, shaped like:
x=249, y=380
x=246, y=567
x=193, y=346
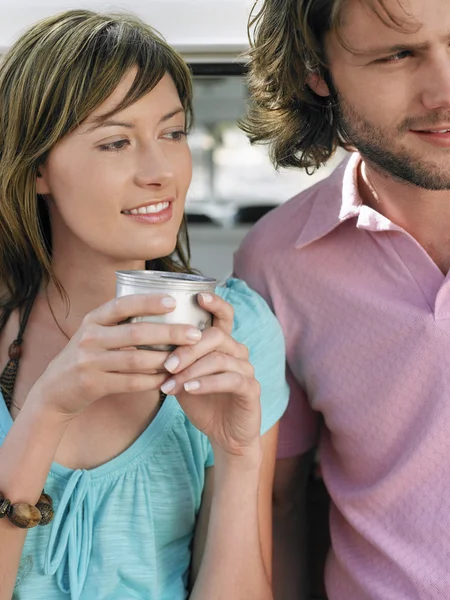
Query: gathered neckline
x=125, y=458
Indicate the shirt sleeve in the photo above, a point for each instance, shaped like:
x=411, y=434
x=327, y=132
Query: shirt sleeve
x=252, y=263
x=256, y=327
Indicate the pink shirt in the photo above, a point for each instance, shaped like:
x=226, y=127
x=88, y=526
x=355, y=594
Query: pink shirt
x=366, y=316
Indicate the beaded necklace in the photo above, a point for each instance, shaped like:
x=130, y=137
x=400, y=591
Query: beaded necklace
x=9, y=373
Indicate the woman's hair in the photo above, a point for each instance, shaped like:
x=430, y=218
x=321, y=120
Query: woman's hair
x=51, y=80
x=288, y=46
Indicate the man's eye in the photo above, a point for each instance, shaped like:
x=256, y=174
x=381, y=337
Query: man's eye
x=396, y=57
x=115, y=146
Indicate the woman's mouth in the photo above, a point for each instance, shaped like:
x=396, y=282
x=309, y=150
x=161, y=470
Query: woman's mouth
x=150, y=209
x=151, y=213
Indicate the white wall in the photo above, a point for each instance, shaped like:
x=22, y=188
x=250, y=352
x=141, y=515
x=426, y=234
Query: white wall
x=190, y=25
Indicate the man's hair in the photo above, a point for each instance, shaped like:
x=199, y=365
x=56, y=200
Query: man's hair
x=51, y=80
x=288, y=46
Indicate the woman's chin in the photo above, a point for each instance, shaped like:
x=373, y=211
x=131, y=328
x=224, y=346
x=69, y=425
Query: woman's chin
x=155, y=253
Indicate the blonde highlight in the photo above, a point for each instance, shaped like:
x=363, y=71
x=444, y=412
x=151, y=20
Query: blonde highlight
x=51, y=80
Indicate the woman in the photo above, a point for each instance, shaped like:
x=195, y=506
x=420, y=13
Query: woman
x=94, y=115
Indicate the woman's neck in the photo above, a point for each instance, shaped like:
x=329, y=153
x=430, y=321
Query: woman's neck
x=88, y=283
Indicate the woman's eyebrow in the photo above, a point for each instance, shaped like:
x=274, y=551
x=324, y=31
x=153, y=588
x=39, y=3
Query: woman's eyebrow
x=171, y=114
x=99, y=122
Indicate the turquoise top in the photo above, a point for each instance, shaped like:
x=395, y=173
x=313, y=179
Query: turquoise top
x=123, y=530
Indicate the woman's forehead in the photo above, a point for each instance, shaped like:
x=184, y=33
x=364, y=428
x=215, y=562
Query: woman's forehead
x=163, y=92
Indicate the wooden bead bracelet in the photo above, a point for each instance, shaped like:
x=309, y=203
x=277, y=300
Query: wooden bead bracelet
x=25, y=515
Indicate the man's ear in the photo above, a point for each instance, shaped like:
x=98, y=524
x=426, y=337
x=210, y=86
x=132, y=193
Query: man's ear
x=318, y=85
x=41, y=184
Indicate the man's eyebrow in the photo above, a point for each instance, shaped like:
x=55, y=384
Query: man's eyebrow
x=99, y=122
x=376, y=50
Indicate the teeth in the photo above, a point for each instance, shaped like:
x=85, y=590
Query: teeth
x=438, y=131
x=156, y=208
x=146, y=210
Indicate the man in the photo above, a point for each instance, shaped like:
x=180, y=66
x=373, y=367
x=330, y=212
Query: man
x=356, y=269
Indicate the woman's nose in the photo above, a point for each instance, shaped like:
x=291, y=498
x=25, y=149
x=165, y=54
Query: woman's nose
x=154, y=168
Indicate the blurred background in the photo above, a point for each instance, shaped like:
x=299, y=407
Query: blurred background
x=233, y=183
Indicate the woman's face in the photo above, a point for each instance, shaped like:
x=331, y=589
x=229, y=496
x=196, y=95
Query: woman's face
x=117, y=188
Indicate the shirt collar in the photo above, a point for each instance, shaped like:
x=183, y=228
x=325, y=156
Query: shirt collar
x=340, y=201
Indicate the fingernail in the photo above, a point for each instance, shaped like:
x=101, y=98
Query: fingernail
x=190, y=386
x=171, y=363
x=168, y=386
x=168, y=302
x=194, y=335
x=206, y=297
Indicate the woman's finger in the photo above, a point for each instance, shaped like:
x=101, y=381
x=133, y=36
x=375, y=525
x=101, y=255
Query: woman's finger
x=223, y=383
x=215, y=362
x=135, y=305
x=132, y=361
x=213, y=339
x=138, y=334
x=222, y=311
x=121, y=383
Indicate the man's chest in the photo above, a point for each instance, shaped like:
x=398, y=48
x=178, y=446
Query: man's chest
x=370, y=354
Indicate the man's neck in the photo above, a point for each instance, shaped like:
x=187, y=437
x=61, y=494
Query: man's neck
x=424, y=214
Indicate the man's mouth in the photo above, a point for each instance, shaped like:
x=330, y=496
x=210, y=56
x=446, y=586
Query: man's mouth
x=434, y=131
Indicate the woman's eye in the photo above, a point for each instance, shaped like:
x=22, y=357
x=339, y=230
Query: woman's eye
x=176, y=136
x=396, y=57
x=115, y=146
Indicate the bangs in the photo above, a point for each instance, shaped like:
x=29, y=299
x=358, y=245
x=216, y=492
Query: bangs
x=79, y=61
x=122, y=47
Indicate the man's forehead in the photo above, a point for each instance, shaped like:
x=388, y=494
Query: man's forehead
x=367, y=24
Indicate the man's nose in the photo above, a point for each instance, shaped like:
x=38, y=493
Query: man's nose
x=436, y=83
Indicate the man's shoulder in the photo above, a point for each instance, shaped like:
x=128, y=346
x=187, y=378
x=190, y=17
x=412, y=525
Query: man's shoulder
x=283, y=225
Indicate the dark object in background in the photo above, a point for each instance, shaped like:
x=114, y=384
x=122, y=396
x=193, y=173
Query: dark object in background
x=318, y=511
x=199, y=218
x=251, y=214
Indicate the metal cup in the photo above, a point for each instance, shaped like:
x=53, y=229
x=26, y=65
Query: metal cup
x=183, y=287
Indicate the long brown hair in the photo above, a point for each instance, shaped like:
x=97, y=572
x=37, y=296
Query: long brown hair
x=52, y=79
x=287, y=46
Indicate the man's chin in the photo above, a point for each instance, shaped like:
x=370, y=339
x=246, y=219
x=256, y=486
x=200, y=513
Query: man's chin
x=410, y=170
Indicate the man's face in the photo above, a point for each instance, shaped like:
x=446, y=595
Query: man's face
x=394, y=88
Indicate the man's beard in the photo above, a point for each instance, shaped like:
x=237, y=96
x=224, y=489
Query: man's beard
x=382, y=149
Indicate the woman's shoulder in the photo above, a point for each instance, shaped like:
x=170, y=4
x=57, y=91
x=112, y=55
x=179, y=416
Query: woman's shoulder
x=250, y=309
x=256, y=327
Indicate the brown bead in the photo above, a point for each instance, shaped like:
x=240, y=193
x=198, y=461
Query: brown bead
x=24, y=515
x=45, y=499
x=15, y=351
x=4, y=507
x=47, y=512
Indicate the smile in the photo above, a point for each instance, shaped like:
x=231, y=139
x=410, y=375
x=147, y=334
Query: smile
x=150, y=209
x=436, y=131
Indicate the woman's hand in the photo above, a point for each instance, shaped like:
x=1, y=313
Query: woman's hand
x=215, y=384
x=97, y=361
